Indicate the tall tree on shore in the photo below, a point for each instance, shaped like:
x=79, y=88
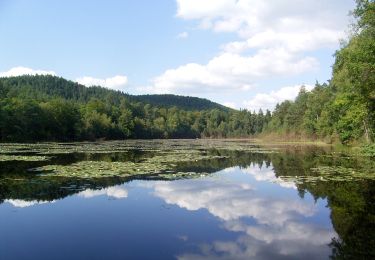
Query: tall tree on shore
x=354, y=77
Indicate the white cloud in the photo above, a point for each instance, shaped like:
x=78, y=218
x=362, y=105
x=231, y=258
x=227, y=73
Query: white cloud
x=26, y=203
x=117, y=82
x=19, y=71
x=280, y=35
x=230, y=169
x=230, y=201
x=269, y=100
x=230, y=104
x=250, y=17
x=196, y=9
x=294, y=240
x=291, y=41
x=292, y=230
x=183, y=35
x=267, y=174
x=277, y=225
x=230, y=71
x=113, y=192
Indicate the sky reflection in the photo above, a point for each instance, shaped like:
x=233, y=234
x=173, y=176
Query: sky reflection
x=268, y=225
x=116, y=192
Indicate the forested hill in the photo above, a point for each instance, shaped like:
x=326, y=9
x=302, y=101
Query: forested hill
x=183, y=102
x=48, y=108
x=46, y=87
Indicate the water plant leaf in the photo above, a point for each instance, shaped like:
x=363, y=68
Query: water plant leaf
x=5, y=158
x=100, y=169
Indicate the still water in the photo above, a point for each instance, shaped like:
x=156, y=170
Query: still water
x=232, y=203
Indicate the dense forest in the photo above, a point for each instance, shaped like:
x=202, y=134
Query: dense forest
x=35, y=108
x=41, y=108
x=344, y=108
x=182, y=102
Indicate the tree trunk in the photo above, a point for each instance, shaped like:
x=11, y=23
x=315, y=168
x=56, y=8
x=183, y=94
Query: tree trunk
x=367, y=134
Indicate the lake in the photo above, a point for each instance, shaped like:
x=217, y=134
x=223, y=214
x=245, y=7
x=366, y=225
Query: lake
x=185, y=199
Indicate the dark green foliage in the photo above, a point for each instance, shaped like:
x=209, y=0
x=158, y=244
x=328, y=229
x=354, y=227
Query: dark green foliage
x=48, y=108
x=368, y=150
x=345, y=108
x=183, y=102
x=311, y=114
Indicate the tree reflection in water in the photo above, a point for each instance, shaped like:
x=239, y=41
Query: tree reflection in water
x=269, y=225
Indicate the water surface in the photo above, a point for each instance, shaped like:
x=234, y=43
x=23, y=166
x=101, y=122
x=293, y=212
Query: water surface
x=228, y=201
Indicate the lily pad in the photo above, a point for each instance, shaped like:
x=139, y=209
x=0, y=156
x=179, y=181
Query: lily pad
x=339, y=173
x=5, y=158
x=100, y=169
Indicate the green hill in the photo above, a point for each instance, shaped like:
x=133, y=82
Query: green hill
x=46, y=86
x=49, y=108
x=183, y=102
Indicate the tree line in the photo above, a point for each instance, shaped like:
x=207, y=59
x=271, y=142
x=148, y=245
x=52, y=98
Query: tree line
x=39, y=108
x=344, y=108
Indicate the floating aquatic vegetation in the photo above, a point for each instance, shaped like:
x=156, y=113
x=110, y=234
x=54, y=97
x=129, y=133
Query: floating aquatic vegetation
x=342, y=173
x=124, y=146
x=4, y=158
x=100, y=169
x=62, y=148
x=330, y=173
x=168, y=154
x=182, y=175
x=84, y=167
x=189, y=156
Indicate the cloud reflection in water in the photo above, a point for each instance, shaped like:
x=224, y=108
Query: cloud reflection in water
x=278, y=229
x=116, y=192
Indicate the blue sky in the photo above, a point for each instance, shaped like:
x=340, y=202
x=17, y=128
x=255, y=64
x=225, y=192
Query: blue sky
x=244, y=53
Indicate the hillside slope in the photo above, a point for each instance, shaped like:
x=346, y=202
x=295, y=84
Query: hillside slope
x=183, y=102
x=46, y=86
x=48, y=108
